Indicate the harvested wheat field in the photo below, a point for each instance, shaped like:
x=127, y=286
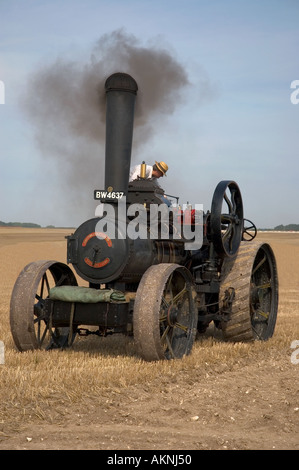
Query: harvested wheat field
x=100, y=395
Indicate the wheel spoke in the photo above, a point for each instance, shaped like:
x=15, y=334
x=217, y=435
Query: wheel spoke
x=47, y=284
x=227, y=218
x=162, y=319
x=233, y=198
x=179, y=295
x=42, y=288
x=258, y=335
x=41, y=339
x=170, y=347
x=165, y=333
x=264, y=286
x=227, y=232
x=230, y=207
x=62, y=280
x=169, y=285
x=39, y=318
x=45, y=281
x=259, y=265
x=39, y=298
x=259, y=317
x=263, y=314
x=228, y=236
x=181, y=327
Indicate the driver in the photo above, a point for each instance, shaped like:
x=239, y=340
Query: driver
x=158, y=170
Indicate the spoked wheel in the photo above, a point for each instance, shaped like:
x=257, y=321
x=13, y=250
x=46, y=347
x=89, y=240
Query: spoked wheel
x=249, y=230
x=31, y=328
x=165, y=313
x=253, y=276
x=226, y=219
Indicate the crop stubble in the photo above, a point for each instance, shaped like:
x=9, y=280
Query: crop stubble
x=100, y=395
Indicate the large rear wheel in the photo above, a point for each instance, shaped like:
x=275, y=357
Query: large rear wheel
x=165, y=313
x=253, y=277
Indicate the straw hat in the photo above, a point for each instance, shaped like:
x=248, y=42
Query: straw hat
x=162, y=167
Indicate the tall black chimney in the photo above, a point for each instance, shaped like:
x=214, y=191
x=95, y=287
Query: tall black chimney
x=121, y=90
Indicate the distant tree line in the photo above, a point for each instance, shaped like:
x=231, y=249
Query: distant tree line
x=19, y=224
x=28, y=225
x=287, y=228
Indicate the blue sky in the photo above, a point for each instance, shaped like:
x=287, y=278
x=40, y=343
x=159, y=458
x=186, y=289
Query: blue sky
x=235, y=120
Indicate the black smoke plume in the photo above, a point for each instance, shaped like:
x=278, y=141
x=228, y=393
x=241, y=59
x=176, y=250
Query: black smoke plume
x=65, y=103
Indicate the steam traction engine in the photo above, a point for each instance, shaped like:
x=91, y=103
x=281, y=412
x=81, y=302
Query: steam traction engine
x=152, y=288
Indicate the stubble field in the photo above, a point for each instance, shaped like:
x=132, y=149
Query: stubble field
x=100, y=395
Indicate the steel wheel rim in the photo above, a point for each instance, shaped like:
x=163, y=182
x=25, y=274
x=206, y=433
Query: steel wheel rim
x=263, y=294
x=176, y=316
x=30, y=327
x=226, y=218
x=165, y=313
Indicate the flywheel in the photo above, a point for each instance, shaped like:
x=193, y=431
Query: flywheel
x=226, y=219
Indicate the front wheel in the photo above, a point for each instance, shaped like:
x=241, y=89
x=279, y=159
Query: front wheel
x=31, y=327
